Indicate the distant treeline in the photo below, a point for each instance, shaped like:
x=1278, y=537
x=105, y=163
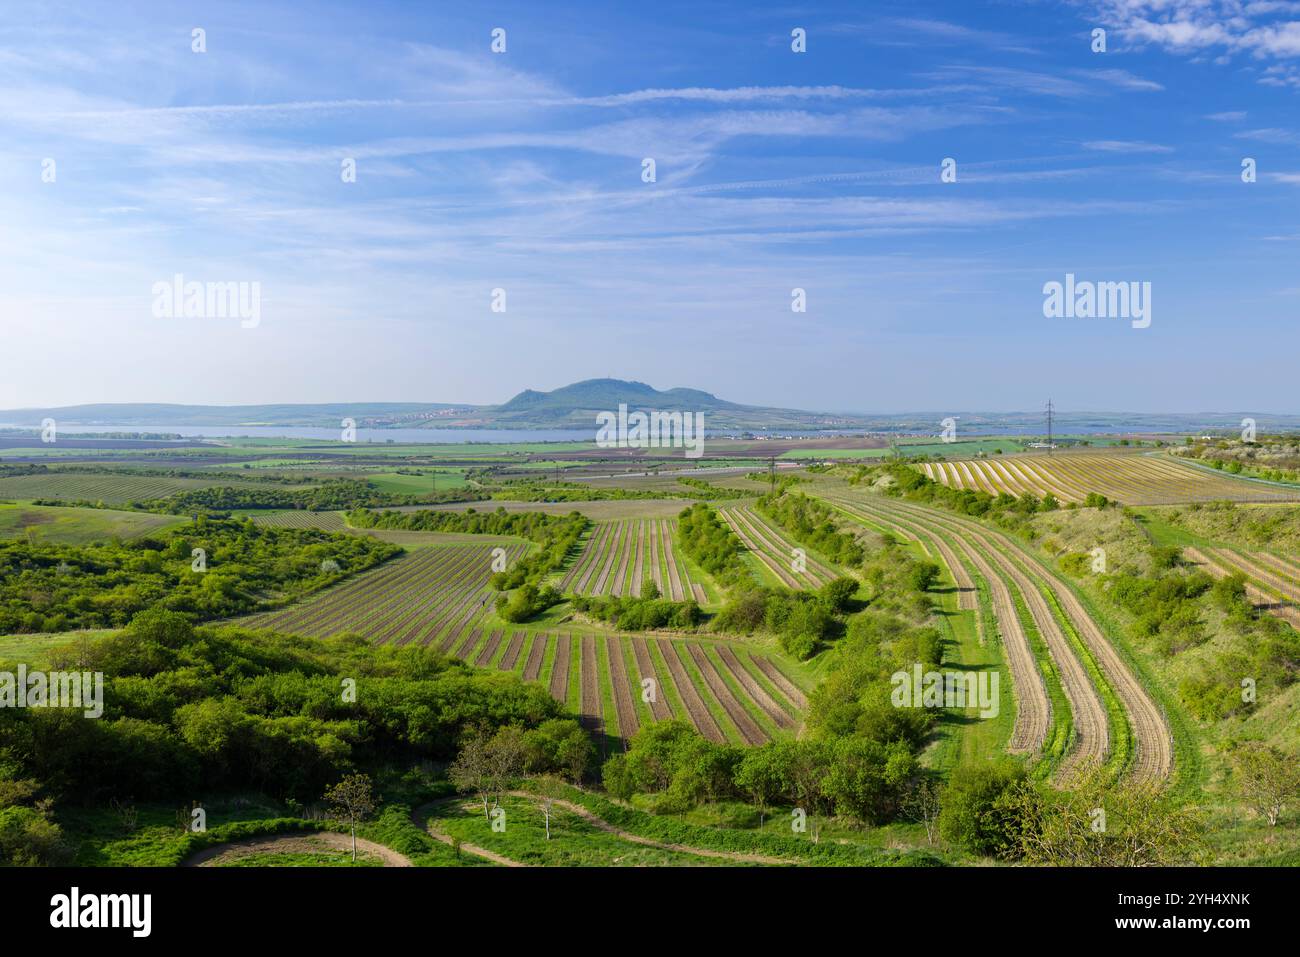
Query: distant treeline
x=332, y=496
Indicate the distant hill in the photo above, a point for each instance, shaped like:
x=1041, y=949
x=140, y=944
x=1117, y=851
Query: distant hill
x=575, y=407
x=570, y=407
x=597, y=394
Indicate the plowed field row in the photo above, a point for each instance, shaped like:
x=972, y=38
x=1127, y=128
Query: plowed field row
x=412, y=599
x=1130, y=479
x=619, y=556
x=729, y=693
x=776, y=552
x=1153, y=744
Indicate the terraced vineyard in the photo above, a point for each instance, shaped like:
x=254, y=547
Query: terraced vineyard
x=1129, y=479
x=1107, y=706
x=430, y=596
x=1272, y=583
x=619, y=555
x=300, y=518
x=439, y=596
x=726, y=690
x=103, y=487
x=774, y=551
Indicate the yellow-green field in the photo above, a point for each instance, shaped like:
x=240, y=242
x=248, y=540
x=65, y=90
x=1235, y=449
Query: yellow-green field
x=78, y=526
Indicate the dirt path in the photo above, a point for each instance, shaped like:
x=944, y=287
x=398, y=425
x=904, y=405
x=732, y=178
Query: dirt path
x=511, y=657
x=751, y=543
x=638, y=569
x=589, y=702
x=655, y=548
x=624, y=705
x=536, y=654
x=778, y=678
x=489, y=649
x=755, y=691
x=421, y=820
x=623, y=554
x=608, y=828
x=1249, y=565
x=560, y=668
x=1091, y=724
x=298, y=842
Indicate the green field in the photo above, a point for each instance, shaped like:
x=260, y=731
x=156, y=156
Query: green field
x=78, y=526
x=428, y=480
x=35, y=649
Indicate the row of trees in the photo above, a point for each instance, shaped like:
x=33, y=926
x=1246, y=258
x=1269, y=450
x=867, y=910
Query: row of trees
x=649, y=610
x=711, y=544
x=1007, y=509
x=490, y=760
x=801, y=621
x=811, y=522
x=329, y=496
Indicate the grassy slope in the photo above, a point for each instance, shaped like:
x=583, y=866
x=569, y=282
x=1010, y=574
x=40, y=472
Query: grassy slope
x=79, y=526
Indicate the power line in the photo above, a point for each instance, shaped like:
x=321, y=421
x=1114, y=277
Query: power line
x=1050, y=410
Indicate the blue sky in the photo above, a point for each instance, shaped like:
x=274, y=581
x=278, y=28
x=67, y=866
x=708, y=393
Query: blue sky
x=775, y=170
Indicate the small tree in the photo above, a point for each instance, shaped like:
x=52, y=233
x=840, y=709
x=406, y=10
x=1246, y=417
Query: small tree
x=353, y=800
x=472, y=768
x=549, y=789
x=506, y=752
x=761, y=774
x=649, y=589
x=1267, y=778
x=921, y=802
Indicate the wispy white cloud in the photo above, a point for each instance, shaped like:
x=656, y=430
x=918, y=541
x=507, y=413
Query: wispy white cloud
x=1126, y=146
